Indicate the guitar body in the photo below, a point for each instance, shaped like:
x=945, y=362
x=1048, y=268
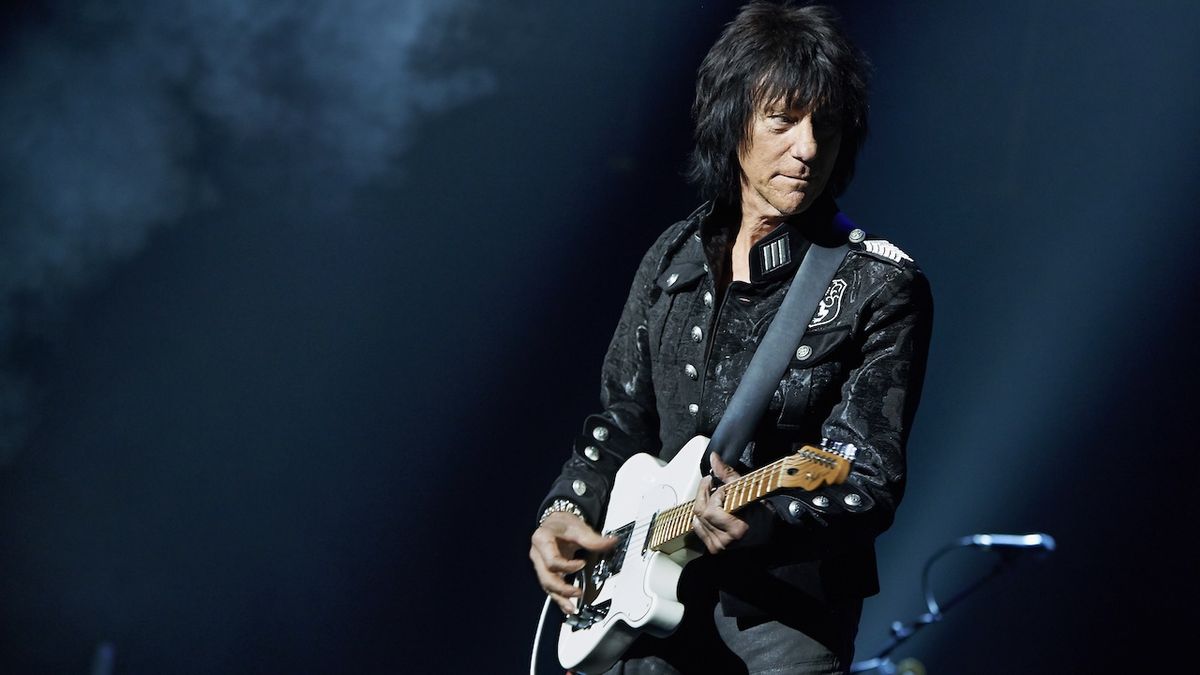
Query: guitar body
x=641, y=595
x=632, y=588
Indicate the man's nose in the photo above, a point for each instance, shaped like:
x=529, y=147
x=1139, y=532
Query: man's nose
x=804, y=141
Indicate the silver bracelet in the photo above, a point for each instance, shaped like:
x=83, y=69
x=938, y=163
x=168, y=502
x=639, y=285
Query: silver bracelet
x=561, y=506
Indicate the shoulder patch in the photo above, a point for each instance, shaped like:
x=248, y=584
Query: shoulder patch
x=882, y=248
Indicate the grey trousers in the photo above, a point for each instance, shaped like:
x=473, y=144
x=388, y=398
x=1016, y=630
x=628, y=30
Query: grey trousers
x=707, y=641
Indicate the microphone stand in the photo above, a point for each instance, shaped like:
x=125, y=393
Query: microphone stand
x=901, y=631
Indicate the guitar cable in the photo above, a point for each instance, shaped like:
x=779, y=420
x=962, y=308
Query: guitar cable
x=537, y=637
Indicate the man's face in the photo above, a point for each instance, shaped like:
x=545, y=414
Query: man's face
x=786, y=159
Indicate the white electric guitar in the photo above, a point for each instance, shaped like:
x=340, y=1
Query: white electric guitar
x=632, y=588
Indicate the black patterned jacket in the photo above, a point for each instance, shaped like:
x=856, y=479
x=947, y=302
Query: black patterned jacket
x=680, y=350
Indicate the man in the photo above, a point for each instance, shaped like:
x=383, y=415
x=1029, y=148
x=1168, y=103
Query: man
x=780, y=114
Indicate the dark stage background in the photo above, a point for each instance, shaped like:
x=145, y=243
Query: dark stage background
x=300, y=305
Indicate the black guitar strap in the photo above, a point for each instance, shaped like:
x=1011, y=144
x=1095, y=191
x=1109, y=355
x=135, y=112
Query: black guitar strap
x=771, y=359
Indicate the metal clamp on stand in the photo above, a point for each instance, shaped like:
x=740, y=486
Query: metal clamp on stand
x=1009, y=546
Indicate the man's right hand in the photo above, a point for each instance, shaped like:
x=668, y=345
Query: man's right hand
x=555, y=543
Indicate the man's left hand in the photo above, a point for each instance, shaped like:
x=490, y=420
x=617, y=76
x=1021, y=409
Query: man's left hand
x=716, y=528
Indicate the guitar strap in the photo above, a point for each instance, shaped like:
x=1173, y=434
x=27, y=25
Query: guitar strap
x=771, y=359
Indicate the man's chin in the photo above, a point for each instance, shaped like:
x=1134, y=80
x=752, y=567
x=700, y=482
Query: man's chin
x=784, y=204
x=792, y=207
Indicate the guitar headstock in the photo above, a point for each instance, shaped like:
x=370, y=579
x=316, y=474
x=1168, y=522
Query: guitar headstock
x=811, y=467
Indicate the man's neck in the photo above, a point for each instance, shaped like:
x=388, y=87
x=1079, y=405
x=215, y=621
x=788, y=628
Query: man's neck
x=756, y=223
x=754, y=228
x=751, y=231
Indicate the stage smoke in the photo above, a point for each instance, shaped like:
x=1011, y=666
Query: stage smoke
x=108, y=111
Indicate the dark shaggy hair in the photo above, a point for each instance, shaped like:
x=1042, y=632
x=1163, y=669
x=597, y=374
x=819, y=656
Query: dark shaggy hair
x=771, y=52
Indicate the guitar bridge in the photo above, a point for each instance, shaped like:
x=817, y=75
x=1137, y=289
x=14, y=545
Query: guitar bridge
x=592, y=577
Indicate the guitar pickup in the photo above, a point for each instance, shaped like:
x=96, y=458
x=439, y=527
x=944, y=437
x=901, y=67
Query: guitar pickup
x=611, y=563
x=588, y=615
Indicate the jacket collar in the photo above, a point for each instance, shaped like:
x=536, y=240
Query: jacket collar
x=779, y=253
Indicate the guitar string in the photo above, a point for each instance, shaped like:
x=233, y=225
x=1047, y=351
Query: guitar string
x=754, y=478
x=738, y=489
x=737, y=492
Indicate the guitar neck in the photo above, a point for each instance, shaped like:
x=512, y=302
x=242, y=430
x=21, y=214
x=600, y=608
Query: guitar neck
x=810, y=466
x=753, y=486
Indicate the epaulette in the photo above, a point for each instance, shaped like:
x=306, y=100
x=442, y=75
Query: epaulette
x=885, y=250
x=671, y=241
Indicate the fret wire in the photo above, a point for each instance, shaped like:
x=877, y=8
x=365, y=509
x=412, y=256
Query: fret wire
x=676, y=521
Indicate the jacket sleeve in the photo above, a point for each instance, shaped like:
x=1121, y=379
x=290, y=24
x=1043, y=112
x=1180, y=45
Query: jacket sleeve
x=874, y=415
x=629, y=422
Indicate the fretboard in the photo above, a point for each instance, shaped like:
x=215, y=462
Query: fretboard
x=672, y=525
